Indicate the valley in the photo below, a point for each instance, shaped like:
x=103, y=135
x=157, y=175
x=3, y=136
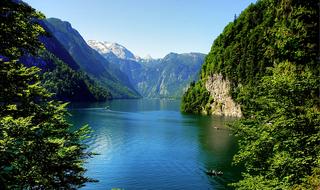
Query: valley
x=79, y=110
x=113, y=69
x=167, y=77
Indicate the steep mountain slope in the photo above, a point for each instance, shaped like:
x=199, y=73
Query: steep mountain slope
x=171, y=76
x=166, y=77
x=90, y=61
x=61, y=75
x=267, y=61
x=56, y=48
x=67, y=83
x=257, y=39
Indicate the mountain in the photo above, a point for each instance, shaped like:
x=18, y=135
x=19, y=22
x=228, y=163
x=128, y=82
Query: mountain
x=61, y=75
x=265, y=68
x=71, y=85
x=241, y=54
x=52, y=45
x=108, y=49
x=108, y=75
x=66, y=83
x=166, y=77
x=169, y=76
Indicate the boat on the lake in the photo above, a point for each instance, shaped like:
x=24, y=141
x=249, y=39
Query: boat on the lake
x=214, y=173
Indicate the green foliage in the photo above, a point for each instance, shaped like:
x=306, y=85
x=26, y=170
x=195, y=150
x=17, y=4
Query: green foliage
x=265, y=33
x=259, y=182
x=195, y=99
x=271, y=55
x=71, y=85
x=19, y=31
x=281, y=133
x=38, y=149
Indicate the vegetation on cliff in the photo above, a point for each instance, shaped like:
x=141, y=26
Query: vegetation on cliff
x=270, y=53
x=65, y=82
x=195, y=98
x=264, y=34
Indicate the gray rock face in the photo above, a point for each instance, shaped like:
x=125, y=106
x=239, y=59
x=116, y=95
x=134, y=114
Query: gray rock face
x=223, y=104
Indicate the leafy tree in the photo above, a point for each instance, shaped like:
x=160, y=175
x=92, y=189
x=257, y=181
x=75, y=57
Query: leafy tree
x=38, y=149
x=267, y=32
x=280, y=136
x=271, y=55
x=194, y=98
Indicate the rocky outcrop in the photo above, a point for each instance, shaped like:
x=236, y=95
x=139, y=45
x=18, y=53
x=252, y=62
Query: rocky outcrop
x=221, y=102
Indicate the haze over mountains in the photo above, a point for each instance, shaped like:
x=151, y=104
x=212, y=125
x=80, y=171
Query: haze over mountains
x=166, y=77
x=107, y=70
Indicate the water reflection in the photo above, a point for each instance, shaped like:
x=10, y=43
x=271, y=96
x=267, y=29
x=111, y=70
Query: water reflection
x=149, y=144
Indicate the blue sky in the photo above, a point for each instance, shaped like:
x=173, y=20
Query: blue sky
x=154, y=27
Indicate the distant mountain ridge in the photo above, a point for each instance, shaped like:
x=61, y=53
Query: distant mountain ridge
x=90, y=61
x=116, y=69
x=61, y=74
x=166, y=77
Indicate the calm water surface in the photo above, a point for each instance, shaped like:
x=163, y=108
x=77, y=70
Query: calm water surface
x=149, y=144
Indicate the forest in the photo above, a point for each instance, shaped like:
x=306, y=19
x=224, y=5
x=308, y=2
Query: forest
x=270, y=53
x=38, y=147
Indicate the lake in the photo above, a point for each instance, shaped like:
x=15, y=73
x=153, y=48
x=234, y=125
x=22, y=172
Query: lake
x=149, y=144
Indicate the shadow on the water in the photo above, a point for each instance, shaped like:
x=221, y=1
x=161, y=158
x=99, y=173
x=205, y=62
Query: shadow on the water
x=220, y=145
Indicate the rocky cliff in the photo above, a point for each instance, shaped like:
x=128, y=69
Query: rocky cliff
x=222, y=103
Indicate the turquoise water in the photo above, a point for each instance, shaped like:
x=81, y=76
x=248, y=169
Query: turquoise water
x=149, y=144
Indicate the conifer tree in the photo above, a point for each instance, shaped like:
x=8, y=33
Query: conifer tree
x=38, y=148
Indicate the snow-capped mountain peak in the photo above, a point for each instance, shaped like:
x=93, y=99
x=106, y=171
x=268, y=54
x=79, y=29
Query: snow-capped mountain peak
x=106, y=48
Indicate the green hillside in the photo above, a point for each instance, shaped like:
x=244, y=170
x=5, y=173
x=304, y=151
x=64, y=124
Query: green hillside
x=91, y=62
x=70, y=85
x=270, y=54
x=264, y=35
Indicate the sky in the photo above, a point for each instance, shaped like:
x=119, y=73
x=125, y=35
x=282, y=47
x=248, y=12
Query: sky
x=147, y=27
